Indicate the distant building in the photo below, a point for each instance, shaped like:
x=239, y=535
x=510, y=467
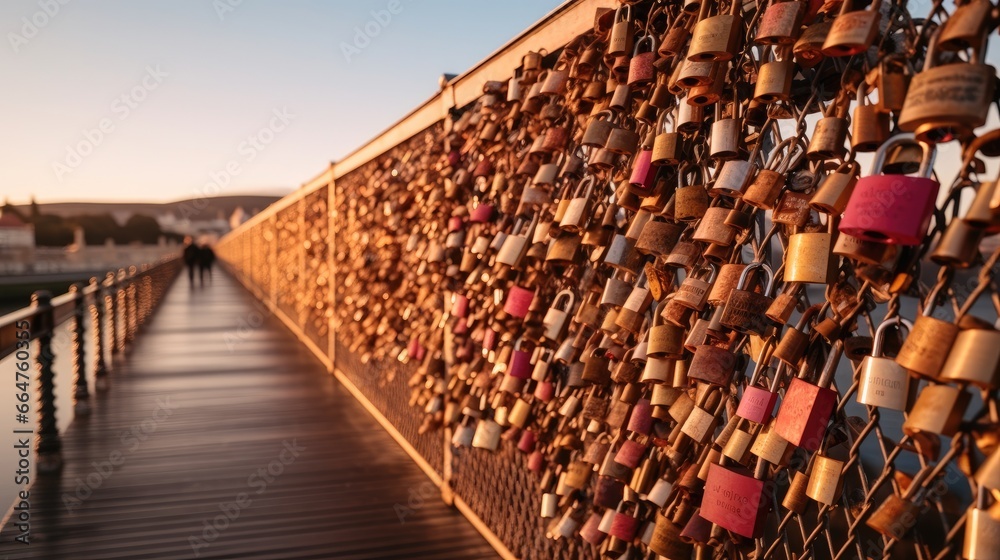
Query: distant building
x=216, y=227
x=15, y=234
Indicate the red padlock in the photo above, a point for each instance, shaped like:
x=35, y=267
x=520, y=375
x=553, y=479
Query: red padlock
x=643, y=171
x=806, y=409
x=893, y=208
x=734, y=501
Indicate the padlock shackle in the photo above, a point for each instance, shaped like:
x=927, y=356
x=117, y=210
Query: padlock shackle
x=831, y=363
x=926, y=162
x=880, y=333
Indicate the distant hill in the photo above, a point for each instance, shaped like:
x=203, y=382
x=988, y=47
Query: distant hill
x=195, y=209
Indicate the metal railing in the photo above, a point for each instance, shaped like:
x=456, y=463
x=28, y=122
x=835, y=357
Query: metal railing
x=111, y=310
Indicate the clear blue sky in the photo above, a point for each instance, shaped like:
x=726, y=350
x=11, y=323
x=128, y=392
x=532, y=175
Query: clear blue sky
x=180, y=86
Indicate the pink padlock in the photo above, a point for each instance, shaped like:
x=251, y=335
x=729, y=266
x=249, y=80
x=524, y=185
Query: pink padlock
x=527, y=442
x=544, y=391
x=630, y=453
x=624, y=525
x=518, y=301
x=757, y=404
x=455, y=223
x=460, y=306
x=415, y=350
x=893, y=208
x=490, y=338
x=461, y=326
x=590, y=531
x=641, y=419
x=643, y=171
x=482, y=213
x=536, y=461
x=640, y=67
x=519, y=366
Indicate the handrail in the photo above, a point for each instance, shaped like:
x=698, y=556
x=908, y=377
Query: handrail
x=117, y=304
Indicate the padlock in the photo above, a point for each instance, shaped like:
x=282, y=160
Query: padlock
x=701, y=423
x=892, y=208
x=982, y=528
x=947, y=102
x=658, y=238
x=487, y=435
x=735, y=501
x=622, y=34
x=712, y=228
x=732, y=178
x=852, y=32
x=599, y=129
x=958, y=246
x=726, y=280
x=966, y=26
x=518, y=301
x=515, y=246
x=808, y=50
x=726, y=134
x=640, y=69
x=766, y=186
x=623, y=139
x=892, y=82
x=667, y=147
x=809, y=258
x=757, y=403
x=576, y=216
x=835, y=190
x=792, y=209
x=774, y=80
x=693, y=291
x=665, y=340
x=930, y=341
x=713, y=365
x=666, y=540
x=781, y=23
x=938, y=411
x=744, y=312
x=806, y=408
x=795, y=498
x=894, y=517
x=771, y=447
x=828, y=140
x=974, y=358
x=870, y=127
x=794, y=343
x=884, y=383
x=641, y=179
x=716, y=38
x=825, y=480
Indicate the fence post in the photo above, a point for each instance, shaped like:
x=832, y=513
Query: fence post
x=47, y=444
x=81, y=393
x=97, y=314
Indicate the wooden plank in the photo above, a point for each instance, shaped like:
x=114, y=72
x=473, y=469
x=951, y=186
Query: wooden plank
x=233, y=406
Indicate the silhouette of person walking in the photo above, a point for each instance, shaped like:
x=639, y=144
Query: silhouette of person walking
x=206, y=257
x=190, y=257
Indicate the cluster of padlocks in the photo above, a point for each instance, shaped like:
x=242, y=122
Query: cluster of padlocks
x=643, y=260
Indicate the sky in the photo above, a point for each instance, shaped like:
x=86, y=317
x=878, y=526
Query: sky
x=161, y=100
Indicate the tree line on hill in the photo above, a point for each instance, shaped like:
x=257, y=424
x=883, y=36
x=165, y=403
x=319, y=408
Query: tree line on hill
x=57, y=231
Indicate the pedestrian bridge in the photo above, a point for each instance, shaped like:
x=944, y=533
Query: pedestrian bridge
x=218, y=436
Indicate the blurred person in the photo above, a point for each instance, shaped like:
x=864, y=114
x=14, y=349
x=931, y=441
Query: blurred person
x=190, y=256
x=206, y=257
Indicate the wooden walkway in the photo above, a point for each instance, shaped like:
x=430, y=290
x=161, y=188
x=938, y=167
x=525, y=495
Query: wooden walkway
x=243, y=430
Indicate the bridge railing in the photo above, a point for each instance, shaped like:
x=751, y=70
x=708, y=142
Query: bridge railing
x=102, y=318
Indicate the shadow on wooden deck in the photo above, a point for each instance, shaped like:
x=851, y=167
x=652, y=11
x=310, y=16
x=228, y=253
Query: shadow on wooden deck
x=213, y=443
